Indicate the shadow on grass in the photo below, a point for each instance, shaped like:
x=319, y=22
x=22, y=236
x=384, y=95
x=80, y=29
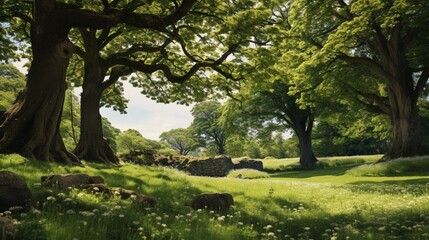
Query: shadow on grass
x=418, y=187
x=419, y=181
x=317, y=172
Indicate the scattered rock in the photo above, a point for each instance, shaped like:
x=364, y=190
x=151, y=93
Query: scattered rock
x=144, y=201
x=14, y=191
x=242, y=163
x=140, y=199
x=213, y=201
x=96, y=188
x=65, y=181
x=6, y=227
x=123, y=193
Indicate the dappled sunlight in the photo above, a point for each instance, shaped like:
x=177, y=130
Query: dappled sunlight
x=299, y=204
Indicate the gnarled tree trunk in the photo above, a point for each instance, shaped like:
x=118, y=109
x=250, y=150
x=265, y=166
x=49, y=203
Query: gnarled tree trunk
x=31, y=126
x=405, y=119
x=403, y=96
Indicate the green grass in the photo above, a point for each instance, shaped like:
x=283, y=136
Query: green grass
x=402, y=166
x=292, y=164
x=325, y=203
x=248, y=174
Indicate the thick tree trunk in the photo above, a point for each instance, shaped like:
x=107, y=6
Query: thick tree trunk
x=92, y=146
x=31, y=126
x=403, y=96
x=407, y=137
x=306, y=155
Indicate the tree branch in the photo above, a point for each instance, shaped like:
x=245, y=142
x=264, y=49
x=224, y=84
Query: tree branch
x=380, y=102
x=369, y=63
x=421, y=84
x=148, y=68
x=115, y=74
x=104, y=38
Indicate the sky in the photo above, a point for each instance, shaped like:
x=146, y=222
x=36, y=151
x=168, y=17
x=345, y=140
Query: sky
x=147, y=116
x=143, y=114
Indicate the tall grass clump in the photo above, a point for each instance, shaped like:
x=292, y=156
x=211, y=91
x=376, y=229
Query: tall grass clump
x=397, y=167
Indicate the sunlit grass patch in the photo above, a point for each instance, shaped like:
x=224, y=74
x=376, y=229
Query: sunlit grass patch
x=248, y=174
x=292, y=164
x=397, y=167
x=282, y=164
x=319, y=204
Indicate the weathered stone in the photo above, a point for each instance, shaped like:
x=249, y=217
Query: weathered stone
x=248, y=163
x=144, y=201
x=70, y=180
x=213, y=201
x=141, y=157
x=139, y=199
x=13, y=191
x=95, y=188
x=6, y=227
x=218, y=166
x=123, y=193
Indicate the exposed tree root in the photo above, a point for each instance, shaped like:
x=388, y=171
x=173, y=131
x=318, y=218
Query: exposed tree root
x=101, y=152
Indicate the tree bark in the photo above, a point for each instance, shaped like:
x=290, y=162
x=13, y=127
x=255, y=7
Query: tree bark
x=303, y=131
x=92, y=145
x=403, y=96
x=405, y=119
x=31, y=126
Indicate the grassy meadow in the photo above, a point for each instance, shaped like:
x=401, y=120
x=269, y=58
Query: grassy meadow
x=343, y=198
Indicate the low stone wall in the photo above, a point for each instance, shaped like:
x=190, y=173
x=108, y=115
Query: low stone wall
x=248, y=163
x=145, y=157
x=218, y=166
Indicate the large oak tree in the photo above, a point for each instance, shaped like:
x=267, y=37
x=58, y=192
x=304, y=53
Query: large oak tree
x=382, y=42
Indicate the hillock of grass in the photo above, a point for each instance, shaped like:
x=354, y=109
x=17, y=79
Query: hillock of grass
x=397, y=167
x=292, y=164
x=248, y=174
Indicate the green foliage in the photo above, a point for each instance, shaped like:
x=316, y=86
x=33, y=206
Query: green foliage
x=397, y=167
x=252, y=149
x=132, y=140
x=327, y=141
x=7, y=46
x=180, y=139
x=207, y=127
x=339, y=51
x=247, y=174
x=235, y=146
x=11, y=83
x=70, y=121
x=110, y=133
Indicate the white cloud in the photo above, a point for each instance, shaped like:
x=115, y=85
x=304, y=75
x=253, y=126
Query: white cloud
x=147, y=116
